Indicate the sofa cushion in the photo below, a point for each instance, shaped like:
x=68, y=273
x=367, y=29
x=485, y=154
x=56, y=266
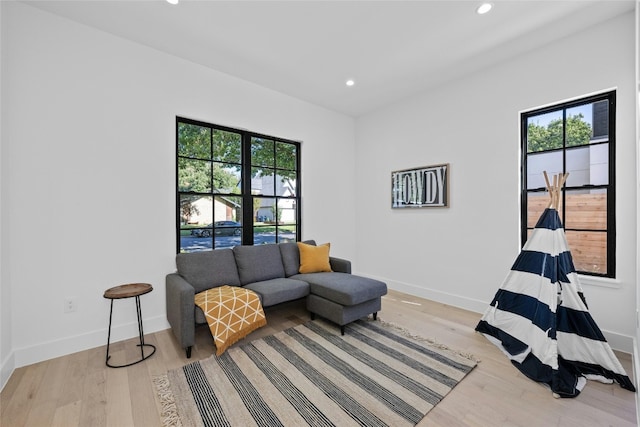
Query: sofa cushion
x=291, y=256
x=258, y=263
x=275, y=291
x=314, y=259
x=345, y=289
x=208, y=269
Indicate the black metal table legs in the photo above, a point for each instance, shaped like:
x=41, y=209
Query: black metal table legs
x=142, y=344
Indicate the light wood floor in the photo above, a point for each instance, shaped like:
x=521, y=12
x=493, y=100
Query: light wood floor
x=78, y=390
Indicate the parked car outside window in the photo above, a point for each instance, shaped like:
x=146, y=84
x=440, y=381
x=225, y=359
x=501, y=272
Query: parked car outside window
x=219, y=228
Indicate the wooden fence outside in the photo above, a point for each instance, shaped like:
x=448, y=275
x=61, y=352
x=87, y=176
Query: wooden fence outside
x=584, y=212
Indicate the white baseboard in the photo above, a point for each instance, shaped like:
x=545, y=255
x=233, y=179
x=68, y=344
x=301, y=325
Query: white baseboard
x=52, y=349
x=617, y=341
x=6, y=369
x=636, y=371
x=439, y=296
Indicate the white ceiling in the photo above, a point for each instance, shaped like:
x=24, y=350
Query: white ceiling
x=308, y=49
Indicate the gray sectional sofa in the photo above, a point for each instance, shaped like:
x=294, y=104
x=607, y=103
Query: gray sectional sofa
x=272, y=271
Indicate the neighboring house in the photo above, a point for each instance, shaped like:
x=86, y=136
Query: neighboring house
x=588, y=165
x=222, y=209
x=267, y=210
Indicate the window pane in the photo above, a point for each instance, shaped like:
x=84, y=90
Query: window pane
x=262, y=152
x=227, y=146
x=285, y=184
x=194, y=141
x=540, y=162
x=286, y=213
x=586, y=209
x=588, y=165
x=600, y=121
x=227, y=178
x=264, y=235
x=285, y=156
x=196, y=210
x=287, y=235
x=194, y=243
x=227, y=225
x=578, y=166
x=262, y=182
x=196, y=213
x=227, y=208
x=264, y=209
x=589, y=250
x=544, y=132
x=227, y=234
x=194, y=175
x=537, y=203
x=578, y=125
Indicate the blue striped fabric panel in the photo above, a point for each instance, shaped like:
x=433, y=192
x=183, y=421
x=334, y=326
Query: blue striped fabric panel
x=540, y=320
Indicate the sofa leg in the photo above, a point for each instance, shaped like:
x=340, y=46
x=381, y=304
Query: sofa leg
x=189, y=352
x=375, y=315
x=342, y=330
x=313, y=316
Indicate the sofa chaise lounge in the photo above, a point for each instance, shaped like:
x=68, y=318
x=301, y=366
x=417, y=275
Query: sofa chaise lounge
x=273, y=272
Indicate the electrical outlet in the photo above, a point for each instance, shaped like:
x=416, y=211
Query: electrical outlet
x=70, y=304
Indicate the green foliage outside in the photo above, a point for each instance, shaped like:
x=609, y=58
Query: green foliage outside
x=209, y=161
x=540, y=138
x=197, y=147
x=202, y=148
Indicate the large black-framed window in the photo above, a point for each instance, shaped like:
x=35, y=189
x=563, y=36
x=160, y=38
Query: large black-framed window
x=234, y=187
x=576, y=137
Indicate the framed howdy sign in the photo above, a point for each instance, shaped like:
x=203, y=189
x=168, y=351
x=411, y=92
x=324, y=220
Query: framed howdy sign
x=422, y=187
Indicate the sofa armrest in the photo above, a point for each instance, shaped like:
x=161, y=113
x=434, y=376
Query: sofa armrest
x=181, y=309
x=340, y=265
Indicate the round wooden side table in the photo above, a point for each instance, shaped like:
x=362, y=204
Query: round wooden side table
x=131, y=290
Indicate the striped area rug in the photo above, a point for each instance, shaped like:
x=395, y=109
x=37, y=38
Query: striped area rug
x=374, y=375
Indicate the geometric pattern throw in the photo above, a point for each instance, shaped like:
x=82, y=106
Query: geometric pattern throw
x=232, y=313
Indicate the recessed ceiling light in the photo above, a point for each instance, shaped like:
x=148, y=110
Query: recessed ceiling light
x=350, y=82
x=173, y=1
x=484, y=8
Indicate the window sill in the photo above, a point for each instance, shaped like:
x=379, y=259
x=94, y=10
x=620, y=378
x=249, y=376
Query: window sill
x=603, y=282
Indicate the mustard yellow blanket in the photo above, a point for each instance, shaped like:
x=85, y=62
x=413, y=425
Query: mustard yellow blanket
x=232, y=313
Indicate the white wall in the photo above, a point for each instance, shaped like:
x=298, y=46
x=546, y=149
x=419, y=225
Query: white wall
x=461, y=255
x=90, y=131
x=6, y=354
x=636, y=348
x=87, y=123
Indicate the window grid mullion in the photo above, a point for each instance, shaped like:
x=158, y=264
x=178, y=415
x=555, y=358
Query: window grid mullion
x=245, y=180
x=609, y=187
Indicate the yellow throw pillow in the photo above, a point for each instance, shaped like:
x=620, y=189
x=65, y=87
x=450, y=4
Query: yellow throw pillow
x=314, y=259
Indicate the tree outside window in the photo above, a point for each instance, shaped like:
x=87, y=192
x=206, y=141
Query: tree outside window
x=578, y=138
x=220, y=171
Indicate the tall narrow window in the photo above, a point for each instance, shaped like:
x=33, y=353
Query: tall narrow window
x=234, y=187
x=576, y=137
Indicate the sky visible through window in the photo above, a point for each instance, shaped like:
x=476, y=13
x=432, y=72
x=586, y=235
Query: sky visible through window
x=545, y=119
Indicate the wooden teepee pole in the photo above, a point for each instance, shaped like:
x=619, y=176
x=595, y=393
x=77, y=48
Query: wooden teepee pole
x=554, y=190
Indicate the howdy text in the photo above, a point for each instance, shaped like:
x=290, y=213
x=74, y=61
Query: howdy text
x=420, y=187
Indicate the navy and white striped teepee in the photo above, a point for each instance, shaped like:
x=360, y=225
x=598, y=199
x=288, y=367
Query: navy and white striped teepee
x=539, y=317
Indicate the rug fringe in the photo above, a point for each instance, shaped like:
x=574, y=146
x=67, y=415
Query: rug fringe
x=169, y=411
x=404, y=331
